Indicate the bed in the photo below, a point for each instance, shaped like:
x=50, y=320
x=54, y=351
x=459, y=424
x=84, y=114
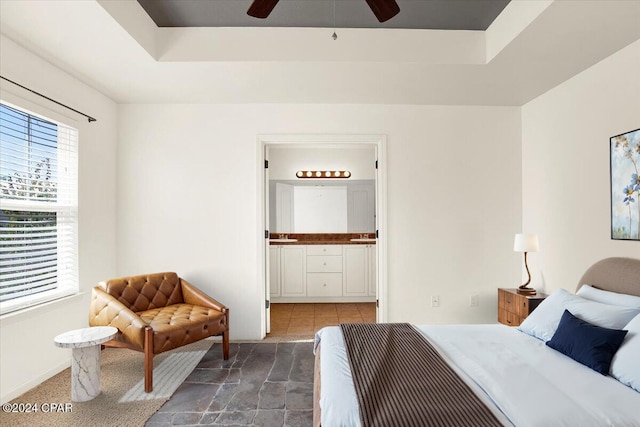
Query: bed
x=512, y=371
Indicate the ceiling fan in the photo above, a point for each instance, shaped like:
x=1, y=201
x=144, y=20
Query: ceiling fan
x=383, y=9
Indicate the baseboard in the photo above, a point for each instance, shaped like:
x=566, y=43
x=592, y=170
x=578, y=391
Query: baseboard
x=34, y=382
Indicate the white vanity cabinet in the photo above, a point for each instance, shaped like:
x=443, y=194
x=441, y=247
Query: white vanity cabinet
x=322, y=273
x=355, y=271
x=372, y=267
x=359, y=271
x=324, y=270
x=287, y=271
x=293, y=262
x=274, y=271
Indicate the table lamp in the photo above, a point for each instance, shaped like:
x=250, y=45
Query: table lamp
x=526, y=243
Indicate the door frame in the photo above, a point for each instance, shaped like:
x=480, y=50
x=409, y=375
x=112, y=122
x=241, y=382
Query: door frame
x=377, y=140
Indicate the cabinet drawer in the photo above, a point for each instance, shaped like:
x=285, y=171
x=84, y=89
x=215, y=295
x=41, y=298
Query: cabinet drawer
x=509, y=302
x=324, y=250
x=502, y=316
x=324, y=284
x=508, y=318
x=522, y=308
x=324, y=264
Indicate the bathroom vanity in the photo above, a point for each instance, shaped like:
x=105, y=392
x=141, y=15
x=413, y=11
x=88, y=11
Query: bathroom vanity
x=323, y=267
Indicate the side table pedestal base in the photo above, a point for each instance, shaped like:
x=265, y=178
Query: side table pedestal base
x=85, y=373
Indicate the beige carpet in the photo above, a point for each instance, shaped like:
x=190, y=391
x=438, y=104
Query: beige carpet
x=121, y=403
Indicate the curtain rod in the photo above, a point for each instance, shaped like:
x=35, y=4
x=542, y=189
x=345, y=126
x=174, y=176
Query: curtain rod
x=91, y=119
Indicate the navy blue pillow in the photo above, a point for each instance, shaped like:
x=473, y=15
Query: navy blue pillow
x=591, y=345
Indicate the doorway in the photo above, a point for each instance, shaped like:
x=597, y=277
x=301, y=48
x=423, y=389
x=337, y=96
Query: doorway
x=323, y=308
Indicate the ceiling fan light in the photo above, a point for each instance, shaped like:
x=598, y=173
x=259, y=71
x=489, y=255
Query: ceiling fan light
x=261, y=8
x=384, y=9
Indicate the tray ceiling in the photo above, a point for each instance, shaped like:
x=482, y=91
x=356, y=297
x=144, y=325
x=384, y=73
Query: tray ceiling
x=414, y=14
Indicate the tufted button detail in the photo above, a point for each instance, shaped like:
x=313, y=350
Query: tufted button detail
x=158, y=302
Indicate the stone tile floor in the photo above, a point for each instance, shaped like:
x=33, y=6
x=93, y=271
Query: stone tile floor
x=262, y=384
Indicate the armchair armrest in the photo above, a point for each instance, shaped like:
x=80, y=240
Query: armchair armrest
x=106, y=310
x=193, y=295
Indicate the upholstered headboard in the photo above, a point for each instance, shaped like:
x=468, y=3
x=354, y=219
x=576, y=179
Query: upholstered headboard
x=620, y=275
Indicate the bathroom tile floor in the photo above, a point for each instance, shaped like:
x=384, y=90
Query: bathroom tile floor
x=290, y=322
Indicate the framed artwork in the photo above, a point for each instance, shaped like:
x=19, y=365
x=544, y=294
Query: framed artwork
x=625, y=186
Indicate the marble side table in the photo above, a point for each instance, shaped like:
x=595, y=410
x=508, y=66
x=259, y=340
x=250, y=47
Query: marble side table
x=85, y=359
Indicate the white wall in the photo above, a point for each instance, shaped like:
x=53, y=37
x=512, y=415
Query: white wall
x=27, y=353
x=565, y=158
x=188, y=201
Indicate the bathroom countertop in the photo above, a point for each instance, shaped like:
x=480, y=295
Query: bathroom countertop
x=323, y=239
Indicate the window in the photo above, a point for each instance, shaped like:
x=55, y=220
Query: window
x=38, y=209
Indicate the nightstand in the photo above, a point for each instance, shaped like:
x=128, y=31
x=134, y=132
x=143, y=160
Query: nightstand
x=513, y=307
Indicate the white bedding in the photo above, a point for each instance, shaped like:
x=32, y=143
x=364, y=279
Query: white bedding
x=522, y=380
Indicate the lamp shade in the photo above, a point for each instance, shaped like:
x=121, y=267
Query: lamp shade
x=525, y=243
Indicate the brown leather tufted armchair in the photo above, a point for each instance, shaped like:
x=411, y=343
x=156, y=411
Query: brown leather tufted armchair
x=156, y=313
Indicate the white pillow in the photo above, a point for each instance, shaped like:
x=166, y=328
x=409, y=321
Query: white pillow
x=543, y=321
x=608, y=297
x=625, y=366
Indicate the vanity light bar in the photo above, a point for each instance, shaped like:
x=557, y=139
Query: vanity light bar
x=323, y=174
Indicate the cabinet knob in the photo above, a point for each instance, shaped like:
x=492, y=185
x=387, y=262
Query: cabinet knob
x=325, y=285
x=324, y=263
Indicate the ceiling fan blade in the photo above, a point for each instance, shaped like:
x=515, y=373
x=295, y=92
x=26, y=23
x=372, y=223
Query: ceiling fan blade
x=261, y=8
x=384, y=9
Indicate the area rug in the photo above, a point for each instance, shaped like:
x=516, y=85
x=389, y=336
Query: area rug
x=122, y=401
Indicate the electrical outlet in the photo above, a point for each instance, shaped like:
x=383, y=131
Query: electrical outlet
x=435, y=300
x=474, y=301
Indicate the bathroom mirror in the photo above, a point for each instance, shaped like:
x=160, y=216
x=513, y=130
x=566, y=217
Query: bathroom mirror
x=319, y=209
x=308, y=207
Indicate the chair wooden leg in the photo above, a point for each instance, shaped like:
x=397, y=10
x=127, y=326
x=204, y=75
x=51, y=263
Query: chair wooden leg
x=225, y=345
x=225, y=339
x=148, y=360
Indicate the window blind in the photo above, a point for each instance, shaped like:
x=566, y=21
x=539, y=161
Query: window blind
x=38, y=209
